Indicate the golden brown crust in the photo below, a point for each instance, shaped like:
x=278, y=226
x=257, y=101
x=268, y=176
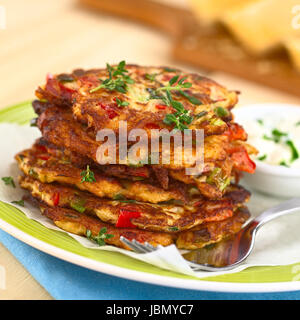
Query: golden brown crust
x=59, y=128
x=99, y=110
x=79, y=146
x=163, y=217
x=212, y=232
x=56, y=170
x=79, y=223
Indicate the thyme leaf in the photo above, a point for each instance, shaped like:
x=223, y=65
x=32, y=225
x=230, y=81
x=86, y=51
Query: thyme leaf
x=121, y=103
x=9, y=181
x=87, y=175
x=19, y=202
x=191, y=99
x=151, y=77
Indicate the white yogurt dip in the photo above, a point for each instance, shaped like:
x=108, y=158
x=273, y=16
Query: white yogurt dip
x=276, y=137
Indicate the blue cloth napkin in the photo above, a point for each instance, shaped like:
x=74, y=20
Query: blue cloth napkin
x=64, y=280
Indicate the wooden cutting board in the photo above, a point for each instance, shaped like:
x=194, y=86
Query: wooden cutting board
x=210, y=48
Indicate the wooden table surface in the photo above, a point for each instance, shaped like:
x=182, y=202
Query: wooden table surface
x=57, y=36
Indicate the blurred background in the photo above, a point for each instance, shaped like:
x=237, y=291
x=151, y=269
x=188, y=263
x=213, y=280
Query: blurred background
x=247, y=45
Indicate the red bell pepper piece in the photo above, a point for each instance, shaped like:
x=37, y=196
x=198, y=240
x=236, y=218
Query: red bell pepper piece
x=141, y=172
x=160, y=107
x=55, y=199
x=52, y=86
x=125, y=217
x=44, y=157
x=168, y=77
x=198, y=203
x=242, y=161
x=90, y=81
x=65, y=91
x=41, y=148
x=236, y=132
x=109, y=110
x=152, y=126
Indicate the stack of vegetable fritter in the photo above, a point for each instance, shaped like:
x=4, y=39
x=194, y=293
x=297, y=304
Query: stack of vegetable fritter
x=155, y=203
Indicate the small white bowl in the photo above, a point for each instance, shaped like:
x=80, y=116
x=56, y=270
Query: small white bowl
x=271, y=179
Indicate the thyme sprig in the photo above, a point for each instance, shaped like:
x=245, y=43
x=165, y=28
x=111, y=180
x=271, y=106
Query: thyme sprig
x=101, y=237
x=181, y=118
x=117, y=80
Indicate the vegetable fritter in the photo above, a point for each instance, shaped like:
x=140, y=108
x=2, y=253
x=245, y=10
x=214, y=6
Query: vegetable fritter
x=49, y=169
x=222, y=154
x=143, y=96
x=59, y=128
x=122, y=212
x=83, y=225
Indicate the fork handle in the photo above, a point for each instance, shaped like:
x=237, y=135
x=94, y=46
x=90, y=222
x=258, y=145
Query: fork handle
x=282, y=209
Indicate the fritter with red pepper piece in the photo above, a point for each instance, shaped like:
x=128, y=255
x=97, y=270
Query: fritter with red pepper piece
x=125, y=213
x=100, y=98
x=85, y=225
x=59, y=128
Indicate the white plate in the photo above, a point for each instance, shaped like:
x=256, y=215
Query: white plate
x=146, y=277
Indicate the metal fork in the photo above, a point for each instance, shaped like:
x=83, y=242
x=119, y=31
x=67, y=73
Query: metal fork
x=229, y=253
x=147, y=247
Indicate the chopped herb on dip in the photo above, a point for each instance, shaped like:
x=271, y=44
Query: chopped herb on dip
x=260, y=121
x=262, y=158
x=277, y=139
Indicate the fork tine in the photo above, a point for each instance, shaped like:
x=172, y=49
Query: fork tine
x=131, y=245
x=149, y=246
x=137, y=246
x=141, y=246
